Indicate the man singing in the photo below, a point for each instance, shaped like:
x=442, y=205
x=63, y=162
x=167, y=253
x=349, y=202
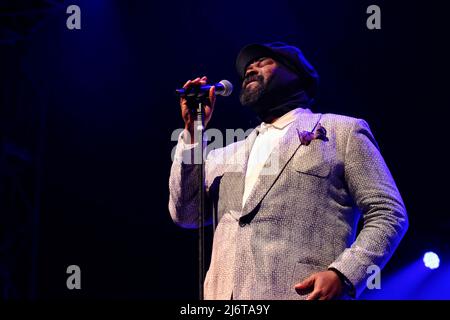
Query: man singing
x=289, y=197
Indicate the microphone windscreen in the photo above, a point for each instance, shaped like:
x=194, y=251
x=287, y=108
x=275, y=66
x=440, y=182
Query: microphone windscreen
x=227, y=88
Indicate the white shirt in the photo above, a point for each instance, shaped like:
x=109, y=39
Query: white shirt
x=269, y=136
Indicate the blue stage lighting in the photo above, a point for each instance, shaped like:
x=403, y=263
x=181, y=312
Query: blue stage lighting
x=431, y=260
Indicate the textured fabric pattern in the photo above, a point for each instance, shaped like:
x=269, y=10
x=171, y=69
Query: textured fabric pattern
x=301, y=219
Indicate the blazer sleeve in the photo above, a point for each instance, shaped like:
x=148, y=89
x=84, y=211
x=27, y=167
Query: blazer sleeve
x=184, y=186
x=375, y=194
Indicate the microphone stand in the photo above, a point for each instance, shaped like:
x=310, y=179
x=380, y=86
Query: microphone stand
x=199, y=125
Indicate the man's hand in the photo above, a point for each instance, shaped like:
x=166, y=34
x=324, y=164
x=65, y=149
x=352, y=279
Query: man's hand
x=188, y=111
x=324, y=285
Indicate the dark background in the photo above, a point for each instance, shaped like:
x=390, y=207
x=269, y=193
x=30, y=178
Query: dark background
x=87, y=116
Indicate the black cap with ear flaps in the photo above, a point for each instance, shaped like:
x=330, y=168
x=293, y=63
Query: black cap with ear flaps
x=289, y=56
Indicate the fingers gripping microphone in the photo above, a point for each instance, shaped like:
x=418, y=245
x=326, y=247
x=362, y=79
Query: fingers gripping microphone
x=222, y=88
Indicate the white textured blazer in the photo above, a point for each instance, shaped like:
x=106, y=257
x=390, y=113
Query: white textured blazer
x=300, y=219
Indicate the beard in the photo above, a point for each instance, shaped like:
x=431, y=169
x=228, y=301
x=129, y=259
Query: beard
x=274, y=97
x=250, y=95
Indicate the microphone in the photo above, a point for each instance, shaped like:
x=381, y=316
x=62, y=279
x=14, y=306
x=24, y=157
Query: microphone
x=223, y=88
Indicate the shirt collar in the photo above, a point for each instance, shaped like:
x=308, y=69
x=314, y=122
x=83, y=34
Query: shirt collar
x=283, y=121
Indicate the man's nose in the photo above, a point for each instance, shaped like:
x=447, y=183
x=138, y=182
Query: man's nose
x=251, y=69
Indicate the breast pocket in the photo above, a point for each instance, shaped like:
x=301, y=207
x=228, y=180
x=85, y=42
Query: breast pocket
x=312, y=166
x=312, y=160
x=320, y=170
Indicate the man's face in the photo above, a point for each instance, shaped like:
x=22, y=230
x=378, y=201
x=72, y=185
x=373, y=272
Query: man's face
x=262, y=76
x=256, y=79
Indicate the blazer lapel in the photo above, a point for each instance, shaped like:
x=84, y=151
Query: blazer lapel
x=279, y=158
x=237, y=174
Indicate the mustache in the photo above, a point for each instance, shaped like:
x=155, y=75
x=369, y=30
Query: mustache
x=254, y=77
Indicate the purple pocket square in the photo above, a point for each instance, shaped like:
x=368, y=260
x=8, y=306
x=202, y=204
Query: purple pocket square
x=307, y=136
